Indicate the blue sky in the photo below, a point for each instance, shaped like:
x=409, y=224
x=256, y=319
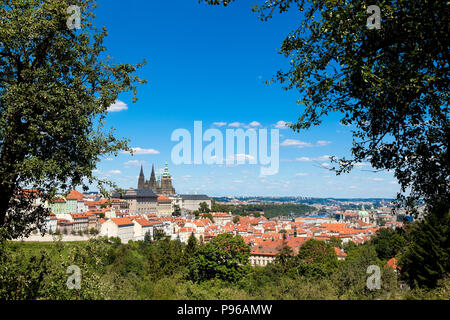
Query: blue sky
x=209, y=64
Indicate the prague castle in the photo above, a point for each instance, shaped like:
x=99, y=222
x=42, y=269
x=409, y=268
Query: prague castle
x=159, y=185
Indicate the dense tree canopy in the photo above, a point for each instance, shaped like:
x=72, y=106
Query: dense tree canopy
x=56, y=85
x=390, y=84
x=426, y=259
x=225, y=257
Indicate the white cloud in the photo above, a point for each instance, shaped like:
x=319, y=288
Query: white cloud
x=109, y=159
x=377, y=179
x=236, y=124
x=219, y=124
x=240, y=157
x=134, y=163
x=307, y=159
x=301, y=174
x=139, y=150
x=323, y=143
x=296, y=143
x=282, y=124
x=325, y=164
x=361, y=164
x=117, y=106
x=114, y=172
x=254, y=124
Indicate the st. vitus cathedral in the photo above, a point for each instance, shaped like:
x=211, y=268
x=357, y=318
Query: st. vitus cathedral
x=160, y=185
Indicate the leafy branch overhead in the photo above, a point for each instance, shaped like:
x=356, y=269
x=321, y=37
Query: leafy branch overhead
x=390, y=85
x=56, y=85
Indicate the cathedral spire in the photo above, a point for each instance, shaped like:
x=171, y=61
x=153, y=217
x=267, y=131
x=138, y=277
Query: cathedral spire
x=152, y=181
x=141, y=180
x=166, y=171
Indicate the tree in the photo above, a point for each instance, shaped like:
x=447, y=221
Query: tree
x=316, y=259
x=335, y=242
x=236, y=219
x=191, y=246
x=285, y=258
x=225, y=257
x=158, y=234
x=56, y=86
x=203, y=207
x=388, y=243
x=426, y=259
x=209, y=216
x=390, y=84
x=147, y=237
x=176, y=211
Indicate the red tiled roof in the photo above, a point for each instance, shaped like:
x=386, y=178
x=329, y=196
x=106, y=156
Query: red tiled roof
x=340, y=252
x=393, y=264
x=163, y=199
x=143, y=222
x=75, y=195
x=122, y=221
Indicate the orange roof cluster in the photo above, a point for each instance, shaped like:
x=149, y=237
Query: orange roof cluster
x=75, y=195
x=393, y=264
x=221, y=214
x=143, y=222
x=121, y=222
x=163, y=198
x=339, y=252
x=79, y=215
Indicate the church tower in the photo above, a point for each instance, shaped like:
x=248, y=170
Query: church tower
x=141, y=181
x=152, y=182
x=166, y=182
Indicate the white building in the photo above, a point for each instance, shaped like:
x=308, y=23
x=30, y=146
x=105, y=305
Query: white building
x=192, y=201
x=50, y=223
x=118, y=227
x=141, y=227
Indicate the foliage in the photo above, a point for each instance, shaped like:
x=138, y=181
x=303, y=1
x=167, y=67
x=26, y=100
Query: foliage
x=176, y=211
x=391, y=87
x=55, y=88
x=225, y=258
x=147, y=237
x=192, y=246
x=208, y=216
x=285, y=259
x=158, y=234
x=427, y=256
x=316, y=259
x=160, y=270
x=390, y=84
x=388, y=243
x=203, y=207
